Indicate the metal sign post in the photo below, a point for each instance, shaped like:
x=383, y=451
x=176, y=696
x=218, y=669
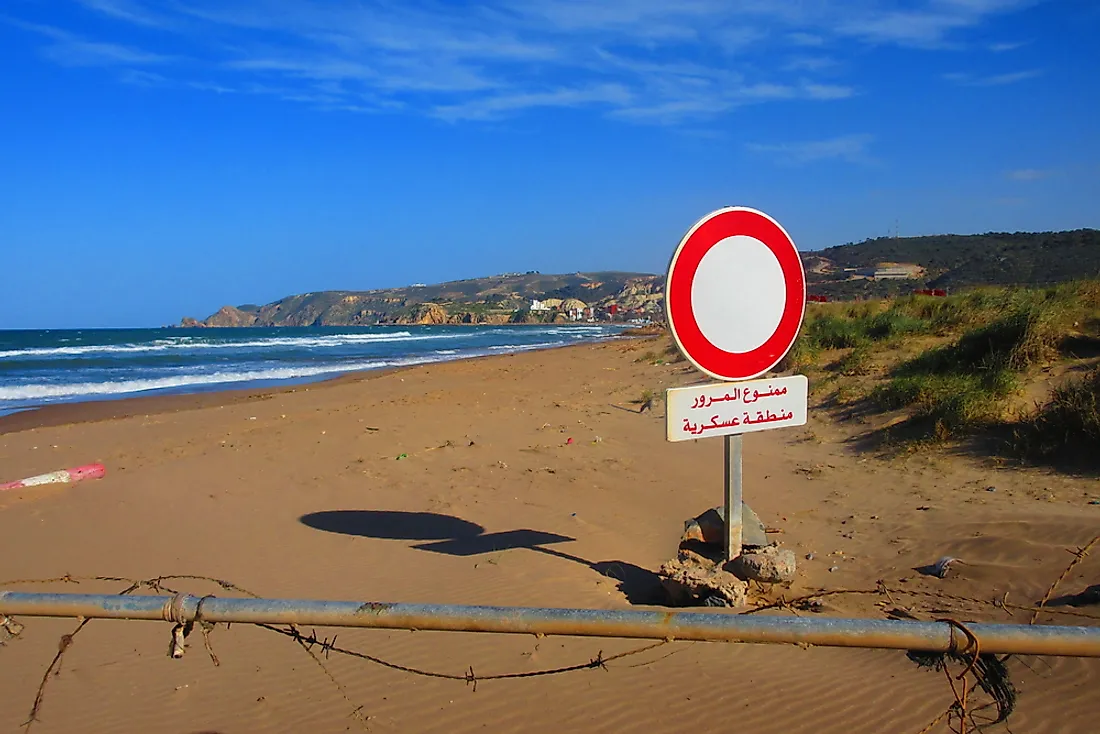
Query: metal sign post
x=733, y=496
x=730, y=410
x=735, y=299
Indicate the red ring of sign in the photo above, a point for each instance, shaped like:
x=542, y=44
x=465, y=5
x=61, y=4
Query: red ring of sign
x=705, y=234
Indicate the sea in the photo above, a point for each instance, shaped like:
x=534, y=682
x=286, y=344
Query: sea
x=39, y=368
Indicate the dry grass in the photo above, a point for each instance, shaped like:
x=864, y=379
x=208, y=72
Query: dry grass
x=1067, y=428
x=986, y=343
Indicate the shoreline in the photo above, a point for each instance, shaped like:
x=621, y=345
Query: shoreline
x=96, y=410
x=105, y=405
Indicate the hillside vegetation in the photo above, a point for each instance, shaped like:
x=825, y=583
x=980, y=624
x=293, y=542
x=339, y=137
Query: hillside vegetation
x=1021, y=365
x=954, y=262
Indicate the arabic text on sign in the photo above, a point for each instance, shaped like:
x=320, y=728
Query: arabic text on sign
x=745, y=396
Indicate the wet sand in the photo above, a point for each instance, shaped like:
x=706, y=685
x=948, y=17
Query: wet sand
x=299, y=492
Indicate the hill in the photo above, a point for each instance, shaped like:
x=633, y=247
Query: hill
x=955, y=261
x=875, y=268
x=496, y=299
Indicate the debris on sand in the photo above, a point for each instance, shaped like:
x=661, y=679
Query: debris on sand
x=692, y=579
x=770, y=565
x=943, y=566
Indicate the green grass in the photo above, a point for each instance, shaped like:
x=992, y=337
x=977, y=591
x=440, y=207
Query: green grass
x=854, y=363
x=802, y=356
x=833, y=332
x=1067, y=427
x=960, y=387
x=948, y=404
x=997, y=337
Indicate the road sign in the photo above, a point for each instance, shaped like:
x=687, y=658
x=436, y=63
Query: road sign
x=735, y=293
x=724, y=409
x=735, y=297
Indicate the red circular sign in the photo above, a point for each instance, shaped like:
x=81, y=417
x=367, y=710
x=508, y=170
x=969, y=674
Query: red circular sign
x=735, y=293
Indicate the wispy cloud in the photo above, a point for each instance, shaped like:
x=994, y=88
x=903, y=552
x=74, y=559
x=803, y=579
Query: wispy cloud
x=142, y=78
x=494, y=107
x=645, y=60
x=999, y=48
x=1028, y=174
x=929, y=24
x=801, y=38
x=813, y=64
x=127, y=10
x=996, y=80
x=69, y=49
x=850, y=148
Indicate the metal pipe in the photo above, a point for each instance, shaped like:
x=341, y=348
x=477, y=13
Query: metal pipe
x=679, y=625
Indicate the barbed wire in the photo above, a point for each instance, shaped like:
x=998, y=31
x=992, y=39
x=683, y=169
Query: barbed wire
x=307, y=642
x=1078, y=556
x=988, y=671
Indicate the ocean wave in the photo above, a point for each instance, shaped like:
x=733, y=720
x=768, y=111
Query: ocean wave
x=77, y=389
x=524, y=347
x=187, y=343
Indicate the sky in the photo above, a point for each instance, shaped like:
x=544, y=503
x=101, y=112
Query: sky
x=162, y=159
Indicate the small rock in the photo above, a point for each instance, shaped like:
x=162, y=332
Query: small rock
x=691, y=579
x=710, y=528
x=834, y=569
x=769, y=565
x=809, y=556
x=990, y=489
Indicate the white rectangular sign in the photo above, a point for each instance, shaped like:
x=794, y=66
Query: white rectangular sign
x=726, y=408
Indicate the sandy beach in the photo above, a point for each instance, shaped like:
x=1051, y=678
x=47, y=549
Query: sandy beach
x=523, y=480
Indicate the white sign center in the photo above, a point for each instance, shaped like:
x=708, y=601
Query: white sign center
x=738, y=294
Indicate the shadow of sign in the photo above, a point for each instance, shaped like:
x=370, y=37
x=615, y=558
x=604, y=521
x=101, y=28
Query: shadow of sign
x=392, y=525
x=454, y=536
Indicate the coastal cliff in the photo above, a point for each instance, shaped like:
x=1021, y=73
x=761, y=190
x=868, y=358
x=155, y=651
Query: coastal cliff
x=874, y=268
x=509, y=298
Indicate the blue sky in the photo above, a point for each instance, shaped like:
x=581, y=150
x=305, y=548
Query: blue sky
x=161, y=159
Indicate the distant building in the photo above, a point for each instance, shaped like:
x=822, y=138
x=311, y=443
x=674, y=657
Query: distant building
x=891, y=271
x=574, y=309
x=537, y=305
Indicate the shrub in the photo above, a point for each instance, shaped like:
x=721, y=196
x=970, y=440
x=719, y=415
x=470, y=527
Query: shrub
x=855, y=362
x=833, y=332
x=1068, y=426
x=802, y=355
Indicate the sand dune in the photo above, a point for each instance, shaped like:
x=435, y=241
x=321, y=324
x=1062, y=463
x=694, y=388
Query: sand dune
x=300, y=493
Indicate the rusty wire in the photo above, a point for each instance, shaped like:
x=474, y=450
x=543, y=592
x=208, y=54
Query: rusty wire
x=54, y=668
x=306, y=642
x=309, y=642
x=1078, y=556
x=469, y=677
